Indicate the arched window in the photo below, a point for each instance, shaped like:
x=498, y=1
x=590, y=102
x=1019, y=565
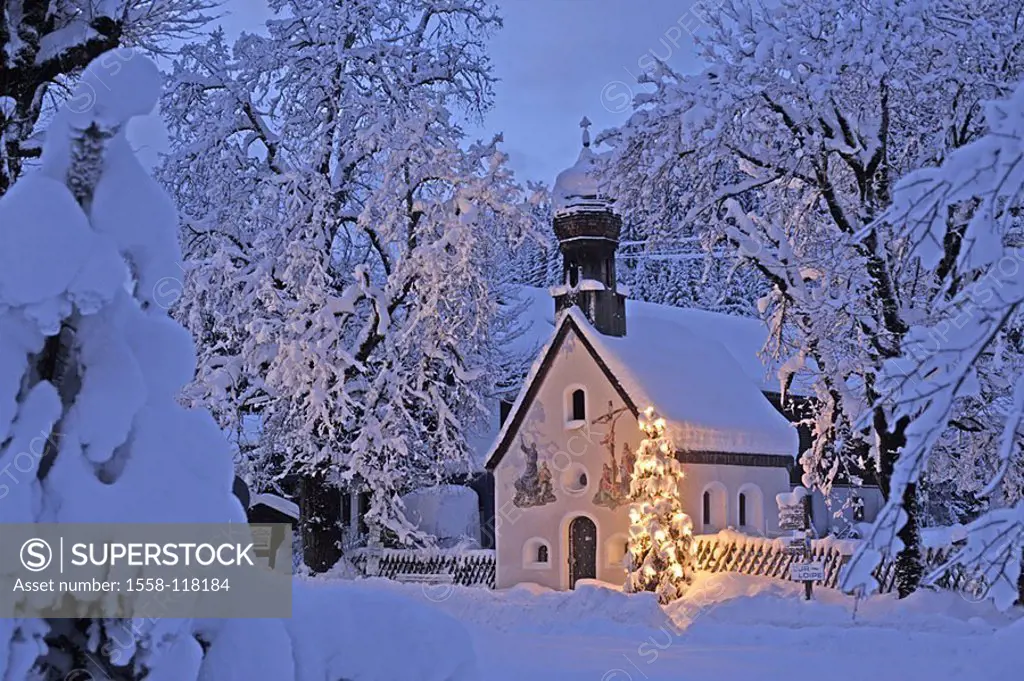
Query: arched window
x=616, y=549
x=750, y=509
x=574, y=275
x=536, y=554
x=715, y=507
x=579, y=405
x=858, y=508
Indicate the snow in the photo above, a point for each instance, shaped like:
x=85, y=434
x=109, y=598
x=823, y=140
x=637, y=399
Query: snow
x=726, y=626
x=578, y=187
x=658, y=351
x=138, y=85
x=365, y=631
x=696, y=385
x=38, y=264
x=942, y=537
x=449, y=512
x=278, y=503
x=791, y=498
x=742, y=337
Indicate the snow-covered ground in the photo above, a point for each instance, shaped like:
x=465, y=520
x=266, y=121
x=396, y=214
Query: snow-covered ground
x=728, y=627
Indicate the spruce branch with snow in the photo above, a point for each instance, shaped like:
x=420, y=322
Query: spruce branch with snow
x=90, y=370
x=660, y=546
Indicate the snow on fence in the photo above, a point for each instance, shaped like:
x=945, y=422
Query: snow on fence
x=730, y=551
x=467, y=568
x=727, y=551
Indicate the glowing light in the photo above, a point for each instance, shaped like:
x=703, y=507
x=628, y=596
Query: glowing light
x=660, y=535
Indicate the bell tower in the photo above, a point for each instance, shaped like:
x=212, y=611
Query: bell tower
x=588, y=228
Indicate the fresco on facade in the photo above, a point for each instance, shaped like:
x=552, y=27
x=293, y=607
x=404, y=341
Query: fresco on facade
x=613, y=490
x=534, y=486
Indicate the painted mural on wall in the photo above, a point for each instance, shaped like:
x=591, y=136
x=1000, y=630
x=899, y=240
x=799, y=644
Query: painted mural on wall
x=613, y=490
x=534, y=487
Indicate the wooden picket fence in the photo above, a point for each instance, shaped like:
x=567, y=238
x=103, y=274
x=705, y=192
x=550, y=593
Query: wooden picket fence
x=726, y=551
x=734, y=552
x=467, y=568
x=954, y=578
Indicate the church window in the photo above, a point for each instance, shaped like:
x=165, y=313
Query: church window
x=579, y=405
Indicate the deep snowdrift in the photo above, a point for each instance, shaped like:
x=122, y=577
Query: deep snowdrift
x=727, y=627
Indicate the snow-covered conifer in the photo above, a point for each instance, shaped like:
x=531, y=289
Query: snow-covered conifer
x=660, y=546
x=90, y=370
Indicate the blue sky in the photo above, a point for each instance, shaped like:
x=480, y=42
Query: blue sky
x=557, y=60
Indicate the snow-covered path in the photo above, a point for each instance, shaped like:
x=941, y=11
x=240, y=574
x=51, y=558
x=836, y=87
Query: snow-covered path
x=730, y=627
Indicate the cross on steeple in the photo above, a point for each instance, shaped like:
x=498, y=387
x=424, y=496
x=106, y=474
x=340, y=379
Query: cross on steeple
x=585, y=124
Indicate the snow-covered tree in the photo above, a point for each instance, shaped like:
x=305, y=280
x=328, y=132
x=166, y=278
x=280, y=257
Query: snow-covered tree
x=789, y=144
x=45, y=45
x=965, y=336
x=660, y=545
x=340, y=240
x=90, y=369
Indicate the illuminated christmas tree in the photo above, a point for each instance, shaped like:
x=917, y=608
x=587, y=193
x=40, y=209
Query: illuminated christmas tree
x=660, y=535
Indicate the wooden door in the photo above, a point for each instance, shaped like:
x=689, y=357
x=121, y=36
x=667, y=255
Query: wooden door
x=582, y=550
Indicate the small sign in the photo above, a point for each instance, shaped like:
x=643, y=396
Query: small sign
x=807, y=572
x=791, y=520
x=796, y=547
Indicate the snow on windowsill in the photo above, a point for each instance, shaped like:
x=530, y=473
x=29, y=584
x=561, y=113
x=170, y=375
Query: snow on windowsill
x=591, y=285
x=575, y=424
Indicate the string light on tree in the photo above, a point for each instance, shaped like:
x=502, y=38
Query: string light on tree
x=660, y=535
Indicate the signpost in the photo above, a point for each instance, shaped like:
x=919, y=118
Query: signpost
x=794, y=515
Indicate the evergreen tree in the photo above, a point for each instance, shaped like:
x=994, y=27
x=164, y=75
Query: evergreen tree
x=660, y=535
x=90, y=370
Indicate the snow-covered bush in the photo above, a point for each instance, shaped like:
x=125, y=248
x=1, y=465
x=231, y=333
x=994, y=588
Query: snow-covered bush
x=90, y=370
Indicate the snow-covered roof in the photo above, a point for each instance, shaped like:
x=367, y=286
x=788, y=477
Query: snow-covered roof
x=699, y=369
x=696, y=385
x=742, y=337
x=289, y=508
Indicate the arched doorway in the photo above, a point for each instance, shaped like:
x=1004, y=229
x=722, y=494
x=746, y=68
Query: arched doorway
x=582, y=550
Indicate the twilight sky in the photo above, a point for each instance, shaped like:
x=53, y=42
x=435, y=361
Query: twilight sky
x=556, y=60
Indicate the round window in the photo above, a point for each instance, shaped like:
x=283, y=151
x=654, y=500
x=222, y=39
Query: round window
x=574, y=479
